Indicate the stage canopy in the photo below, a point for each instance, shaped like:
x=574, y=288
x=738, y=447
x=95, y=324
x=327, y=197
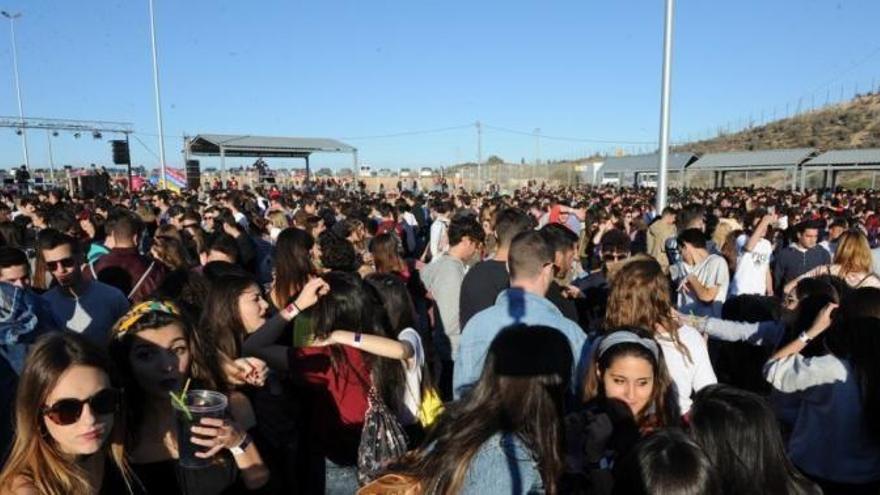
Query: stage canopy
x=224, y=145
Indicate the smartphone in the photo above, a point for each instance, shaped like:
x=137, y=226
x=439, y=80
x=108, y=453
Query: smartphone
x=771, y=210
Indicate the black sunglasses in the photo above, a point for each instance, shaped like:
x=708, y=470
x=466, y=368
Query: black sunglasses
x=614, y=257
x=68, y=411
x=65, y=262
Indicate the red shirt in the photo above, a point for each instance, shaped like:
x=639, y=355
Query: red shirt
x=340, y=399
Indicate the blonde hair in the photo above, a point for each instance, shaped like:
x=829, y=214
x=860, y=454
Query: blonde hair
x=853, y=254
x=278, y=219
x=640, y=298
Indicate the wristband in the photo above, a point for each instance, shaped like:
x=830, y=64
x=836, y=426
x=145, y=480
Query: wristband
x=803, y=337
x=292, y=306
x=242, y=446
x=357, y=339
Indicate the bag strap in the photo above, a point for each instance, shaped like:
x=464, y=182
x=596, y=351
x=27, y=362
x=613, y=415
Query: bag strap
x=141, y=280
x=863, y=280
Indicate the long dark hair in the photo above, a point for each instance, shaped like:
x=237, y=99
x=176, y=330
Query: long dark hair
x=738, y=431
x=396, y=300
x=355, y=305
x=221, y=317
x=293, y=264
x=662, y=409
x=401, y=314
x=385, y=249
x=667, y=462
x=34, y=454
x=855, y=336
x=513, y=396
x=205, y=369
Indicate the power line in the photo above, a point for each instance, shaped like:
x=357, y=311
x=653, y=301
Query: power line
x=571, y=139
x=145, y=146
x=409, y=133
x=838, y=75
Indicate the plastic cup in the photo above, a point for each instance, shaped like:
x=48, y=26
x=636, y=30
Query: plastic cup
x=201, y=404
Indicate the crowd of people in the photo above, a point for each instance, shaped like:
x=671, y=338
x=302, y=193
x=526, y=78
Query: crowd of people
x=542, y=340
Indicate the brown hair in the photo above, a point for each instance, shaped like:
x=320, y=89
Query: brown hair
x=169, y=250
x=662, y=409
x=526, y=405
x=293, y=265
x=640, y=298
x=34, y=457
x=384, y=248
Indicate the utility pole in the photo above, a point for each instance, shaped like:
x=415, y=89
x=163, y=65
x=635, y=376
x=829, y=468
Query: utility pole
x=21, y=130
x=537, y=146
x=51, y=158
x=479, y=156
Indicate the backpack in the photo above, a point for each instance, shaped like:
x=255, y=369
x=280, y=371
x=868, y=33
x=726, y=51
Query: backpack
x=382, y=439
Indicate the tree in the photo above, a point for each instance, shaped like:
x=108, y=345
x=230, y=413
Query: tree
x=494, y=160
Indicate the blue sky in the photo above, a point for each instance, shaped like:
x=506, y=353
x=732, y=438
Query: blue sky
x=348, y=69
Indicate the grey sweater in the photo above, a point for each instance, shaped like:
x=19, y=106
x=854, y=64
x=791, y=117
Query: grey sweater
x=443, y=278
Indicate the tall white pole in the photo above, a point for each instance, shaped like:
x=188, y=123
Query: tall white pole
x=24, y=145
x=51, y=158
x=479, y=156
x=162, y=180
x=664, y=110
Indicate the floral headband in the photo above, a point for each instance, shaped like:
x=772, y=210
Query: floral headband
x=136, y=313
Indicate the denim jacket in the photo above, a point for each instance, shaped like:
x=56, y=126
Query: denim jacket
x=503, y=465
x=513, y=306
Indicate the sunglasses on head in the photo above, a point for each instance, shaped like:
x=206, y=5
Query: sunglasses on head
x=68, y=411
x=65, y=262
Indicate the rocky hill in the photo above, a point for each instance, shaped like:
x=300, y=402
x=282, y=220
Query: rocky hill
x=853, y=124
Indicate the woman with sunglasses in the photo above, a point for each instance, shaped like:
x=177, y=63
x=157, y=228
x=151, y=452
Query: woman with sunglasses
x=158, y=352
x=69, y=438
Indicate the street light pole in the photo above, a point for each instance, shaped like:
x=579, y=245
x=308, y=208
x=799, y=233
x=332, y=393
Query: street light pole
x=479, y=156
x=664, y=110
x=162, y=181
x=12, y=18
x=51, y=158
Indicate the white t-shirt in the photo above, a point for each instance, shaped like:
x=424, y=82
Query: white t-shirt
x=752, y=267
x=410, y=219
x=439, y=242
x=412, y=369
x=688, y=375
x=711, y=272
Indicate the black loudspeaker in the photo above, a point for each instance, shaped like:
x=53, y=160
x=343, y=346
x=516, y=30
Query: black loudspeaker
x=120, y=152
x=193, y=174
x=95, y=184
